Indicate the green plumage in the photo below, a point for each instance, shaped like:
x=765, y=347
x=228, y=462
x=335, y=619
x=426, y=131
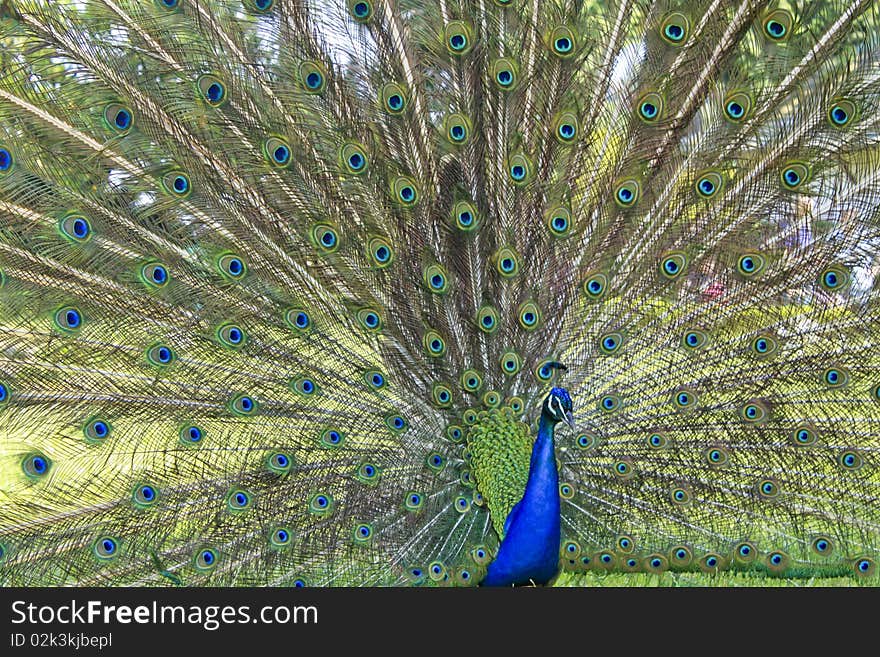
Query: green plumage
x=499, y=447
x=283, y=284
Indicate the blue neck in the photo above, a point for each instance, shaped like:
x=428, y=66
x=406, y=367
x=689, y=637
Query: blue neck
x=543, y=485
x=530, y=549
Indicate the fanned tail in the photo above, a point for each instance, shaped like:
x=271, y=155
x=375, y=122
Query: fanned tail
x=283, y=285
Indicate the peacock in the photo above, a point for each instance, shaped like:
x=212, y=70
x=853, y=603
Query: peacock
x=453, y=293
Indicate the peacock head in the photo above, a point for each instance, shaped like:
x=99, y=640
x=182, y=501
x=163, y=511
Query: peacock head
x=557, y=407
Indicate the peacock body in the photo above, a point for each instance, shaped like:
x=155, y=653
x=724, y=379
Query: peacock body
x=289, y=288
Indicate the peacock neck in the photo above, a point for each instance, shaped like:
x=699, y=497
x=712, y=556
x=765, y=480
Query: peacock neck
x=542, y=488
x=529, y=552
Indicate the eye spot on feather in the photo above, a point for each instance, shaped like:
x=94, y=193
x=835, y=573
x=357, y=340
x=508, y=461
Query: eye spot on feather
x=674, y=28
x=777, y=561
x=694, y=339
x=353, y=157
x=96, y=430
x=206, y=559
x=106, y=548
x=562, y=41
x=834, y=278
x=176, y=184
x=369, y=320
x=68, y=319
x=519, y=168
x=768, y=489
x=709, y=184
x=504, y=73
x=595, y=286
x=238, y=500
x=491, y=399
x=144, y=496
x=362, y=534
x=745, y=553
x=312, y=77
x=673, y=265
x=794, y=175
x=650, y=107
x=850, y=460
x=777, y=25
x=231, y=336
x=627, y=193
x=680, y=495
x=405, y=191
x=36, y=466
x=75, y=228
x=361, y=10
x=804, y=436
x=655, y=563
x=750, y=265
x=841, y=113
x=321, y=504
x=754, y=412
x=155, y=275
x=511, y=363
x=298, y=319
x=455, y=433
x=610, y=343
x=441, y=395
x=5, y=160
x=160, y=355
x=605, y=559
x=684, y=399
x=835, y=377
x=393, y=98
x=529, y=316
x=242, y=404
x=459, y=37
x=737, y=106
x=413, y=501
x=260, y=6
x=822, y=545
x=487, y=319
x=716, y=456
x=559, y=222
x=712, y=563
x=280, y=537
x=566, y=127
x=332, y=438
x=681, y=556
x=864, y=567
x=279, y=463
x=436, y=279
x=457, y=129
x=118, y=117
x=764, y=345
x=277, y=152
x=191, y=435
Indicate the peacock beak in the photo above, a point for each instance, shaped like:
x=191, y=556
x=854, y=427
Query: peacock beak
x=569, y=419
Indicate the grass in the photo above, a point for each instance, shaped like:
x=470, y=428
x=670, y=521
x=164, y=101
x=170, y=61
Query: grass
x=673, y=579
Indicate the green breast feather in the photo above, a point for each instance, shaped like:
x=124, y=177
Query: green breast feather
x=500, y=447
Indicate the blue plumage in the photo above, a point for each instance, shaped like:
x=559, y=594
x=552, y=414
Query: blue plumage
x=529, y=552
